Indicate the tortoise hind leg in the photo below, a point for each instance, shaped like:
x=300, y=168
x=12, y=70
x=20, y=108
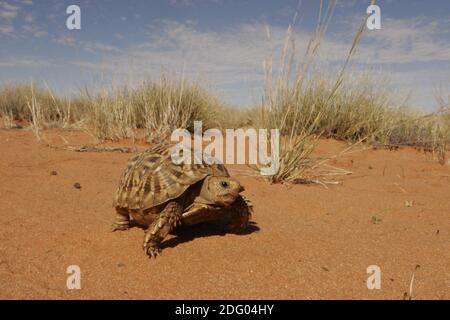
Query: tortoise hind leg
x=168, y=219
x=122, y=221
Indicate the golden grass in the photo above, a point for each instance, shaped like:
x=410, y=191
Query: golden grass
x=38, y=106
x=156, y=107
x=294, y=103
x=306, y=104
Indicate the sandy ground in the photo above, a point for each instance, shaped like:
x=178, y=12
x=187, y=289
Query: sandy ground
x=307, y=242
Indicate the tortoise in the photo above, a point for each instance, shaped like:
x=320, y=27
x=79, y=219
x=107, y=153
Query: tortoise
x=156, y=192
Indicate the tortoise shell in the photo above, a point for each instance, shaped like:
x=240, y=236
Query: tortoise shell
x=151, y=178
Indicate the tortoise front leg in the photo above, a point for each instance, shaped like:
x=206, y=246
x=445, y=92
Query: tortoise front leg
x=122, y=221
x=237, y=216
x=168, y=219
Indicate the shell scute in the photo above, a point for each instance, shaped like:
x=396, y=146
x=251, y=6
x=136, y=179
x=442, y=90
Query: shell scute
x=151, y=178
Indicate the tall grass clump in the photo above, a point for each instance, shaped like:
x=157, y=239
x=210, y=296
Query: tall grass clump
x=295, y=100
x=305, y=103
x=156, y=107
x=37, y=106
x=363, y=110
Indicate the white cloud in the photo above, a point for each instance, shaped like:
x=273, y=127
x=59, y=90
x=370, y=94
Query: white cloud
x=66, y=41
x=8, y=11
x=347, y=3
x=409, y=40
x=228, y=56
x=23, y=62
x=9, y=7
x=95, y=47
x=8, y=14
x=233, y=58
x=28, y=18
x=11, y=13
x=6, y=29
x=34, y=31
x=88, y=46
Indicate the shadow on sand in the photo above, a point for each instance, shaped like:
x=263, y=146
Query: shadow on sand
x=189, y=233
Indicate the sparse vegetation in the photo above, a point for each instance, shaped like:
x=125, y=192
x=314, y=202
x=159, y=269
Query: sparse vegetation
x=155, y=107
x=306, y=104
x=27, y=103
x=376, y=219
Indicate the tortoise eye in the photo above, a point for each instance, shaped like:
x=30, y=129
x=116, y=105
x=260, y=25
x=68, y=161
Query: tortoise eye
x=224, y=184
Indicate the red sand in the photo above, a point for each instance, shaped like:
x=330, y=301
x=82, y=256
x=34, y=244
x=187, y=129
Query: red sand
x=307, y=242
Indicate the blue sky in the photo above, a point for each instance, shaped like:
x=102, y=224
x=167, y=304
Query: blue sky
x=221, y=42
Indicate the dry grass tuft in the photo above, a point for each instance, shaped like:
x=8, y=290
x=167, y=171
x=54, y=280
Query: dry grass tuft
x=154, y=107
x=305, y=104
x=294, y=102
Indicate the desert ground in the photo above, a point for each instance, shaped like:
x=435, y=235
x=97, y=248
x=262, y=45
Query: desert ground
x=305, y=242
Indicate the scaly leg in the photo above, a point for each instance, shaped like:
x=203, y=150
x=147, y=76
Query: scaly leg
x=238, y=215
x=168, y=219
x=122, y=220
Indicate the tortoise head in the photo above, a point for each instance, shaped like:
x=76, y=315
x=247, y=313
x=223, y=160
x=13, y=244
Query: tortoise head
x=219, y=191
